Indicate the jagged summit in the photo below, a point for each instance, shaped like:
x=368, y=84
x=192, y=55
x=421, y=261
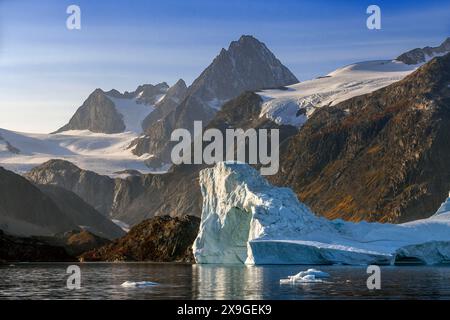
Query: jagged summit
x=422, y=55
x=115, y=112
x=247, y=65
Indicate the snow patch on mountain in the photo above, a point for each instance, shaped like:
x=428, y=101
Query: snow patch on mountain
x=247, y=220
x=133, y=112
x=295, y=104
x=103, y=153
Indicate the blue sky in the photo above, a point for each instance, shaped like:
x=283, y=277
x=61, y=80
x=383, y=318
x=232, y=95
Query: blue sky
x=47, y=71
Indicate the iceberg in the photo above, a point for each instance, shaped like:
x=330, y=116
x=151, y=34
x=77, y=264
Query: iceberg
x=308, y=276
x=247, y=220
x=138, y=284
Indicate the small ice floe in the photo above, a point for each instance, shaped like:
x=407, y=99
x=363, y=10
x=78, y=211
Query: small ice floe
x=139, y=284
x=308, y=276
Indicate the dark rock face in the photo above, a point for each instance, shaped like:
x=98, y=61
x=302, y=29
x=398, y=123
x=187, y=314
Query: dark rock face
x=420, y=55
x=45, y=210
x=382, y=156
x=246, y=65
x=158, y=239
x=97, y=114
x=95, y=189
x=13, y=249
x=25, y=210
x=171, y=100
x=81, y=213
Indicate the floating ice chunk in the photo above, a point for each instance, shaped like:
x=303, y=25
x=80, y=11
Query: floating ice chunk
x=308, y=276
x=139, y=284
x=313, y=272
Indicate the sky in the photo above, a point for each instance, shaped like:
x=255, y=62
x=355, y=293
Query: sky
x=47, y=70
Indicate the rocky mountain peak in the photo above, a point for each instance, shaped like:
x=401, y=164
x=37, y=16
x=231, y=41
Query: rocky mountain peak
x=247, y=42
x=247, y=65
x=422, y=55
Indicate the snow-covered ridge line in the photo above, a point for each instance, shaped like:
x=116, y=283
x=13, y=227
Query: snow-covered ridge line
x=298, y=102
x=247, y=220
x=105, y=154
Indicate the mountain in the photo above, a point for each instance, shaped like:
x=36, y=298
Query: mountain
x=47, y=210
x=421, y=55
x=171, y=100
x=97, y=114
x=114, y=112
x=247, y=65
x=138, y=197
x=294, y=104
x=81, y=213
x=94, y=189
x=159, y=239
x=25, y=210
x=382, y=156
x=131, y=199
x=177, y=193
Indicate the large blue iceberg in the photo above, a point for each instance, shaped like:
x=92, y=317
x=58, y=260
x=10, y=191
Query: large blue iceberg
x=247, y=220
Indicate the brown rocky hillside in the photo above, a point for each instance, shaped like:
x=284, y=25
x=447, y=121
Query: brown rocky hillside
x=383, y=156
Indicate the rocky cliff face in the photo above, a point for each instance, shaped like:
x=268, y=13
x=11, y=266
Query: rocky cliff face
x=247, y=65
x=95, y=189
x=81, y=213
x=171, y=100
x=382, y=156
x=97, y=114
x=130, y=200
x=25, y=210
x=421, y=55
x=45, y=210
x=158, y=239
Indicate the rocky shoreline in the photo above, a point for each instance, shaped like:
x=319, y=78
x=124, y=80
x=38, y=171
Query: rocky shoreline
x=159, y=239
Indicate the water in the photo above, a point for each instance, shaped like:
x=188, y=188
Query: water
x=181, y=281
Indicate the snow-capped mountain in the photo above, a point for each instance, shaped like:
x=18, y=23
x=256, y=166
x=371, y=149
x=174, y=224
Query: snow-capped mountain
x=247, y=65
x=247, y=220
x=381, y=156
x=422, y=55
x=294, y=104
x=115, y=112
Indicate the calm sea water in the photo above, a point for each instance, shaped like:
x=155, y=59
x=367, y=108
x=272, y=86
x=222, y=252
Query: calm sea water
x=180, y=281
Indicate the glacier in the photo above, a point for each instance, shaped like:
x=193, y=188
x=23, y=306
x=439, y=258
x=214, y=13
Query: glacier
x=296, y=103
x=246, y=220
